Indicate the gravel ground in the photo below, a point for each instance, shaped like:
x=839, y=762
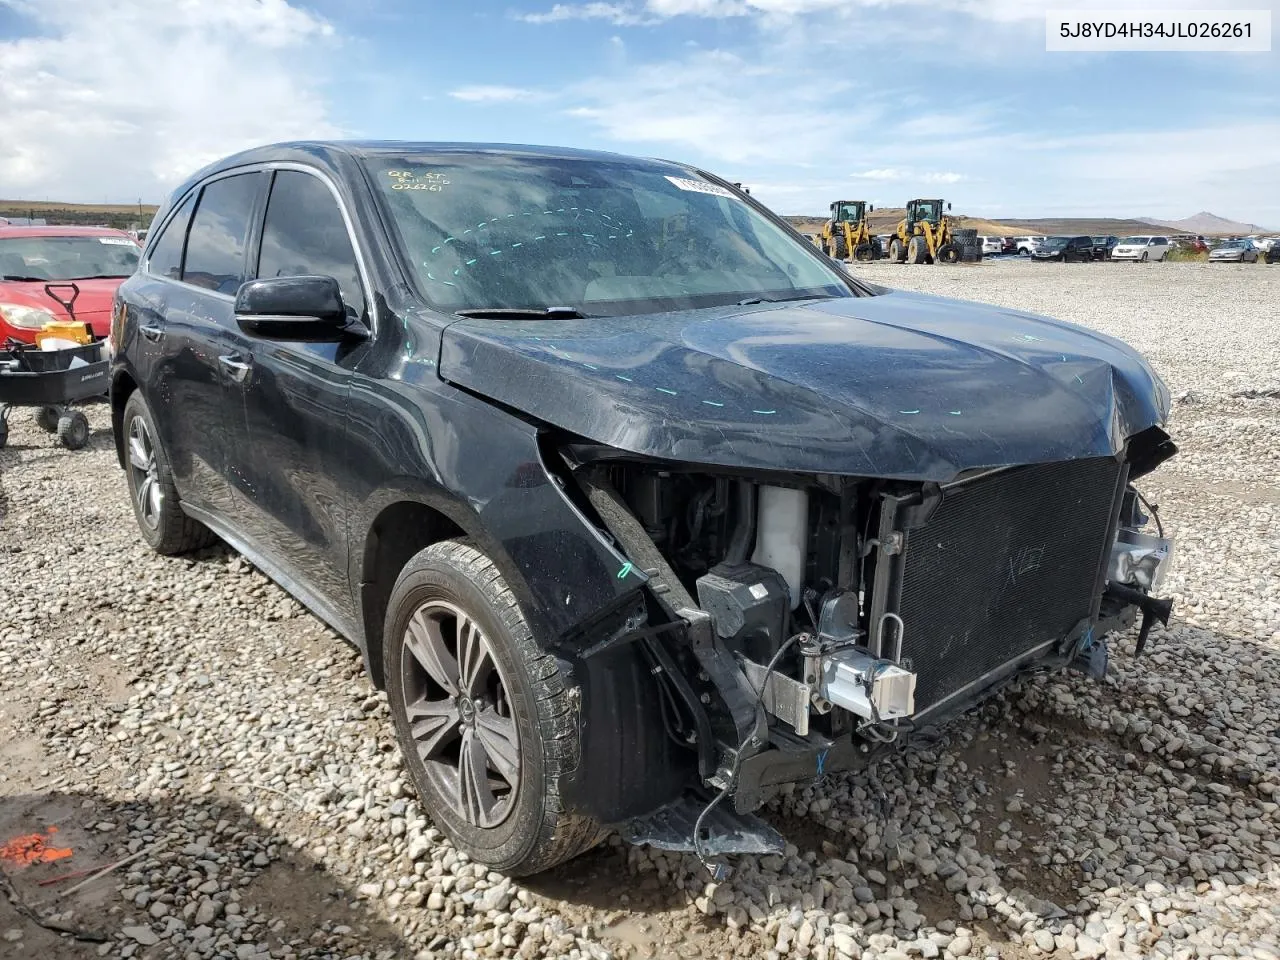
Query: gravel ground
x=188, y=712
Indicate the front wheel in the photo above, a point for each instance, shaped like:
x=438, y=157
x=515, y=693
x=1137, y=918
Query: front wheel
x=1143, y=258
x=487, y=720
x=864, y=252
x=73, y=429
x=948, y=253
x=897, y=252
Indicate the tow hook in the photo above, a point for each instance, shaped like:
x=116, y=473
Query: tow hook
x=1153, y=609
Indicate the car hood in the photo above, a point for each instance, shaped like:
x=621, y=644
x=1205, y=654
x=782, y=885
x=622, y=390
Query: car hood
x=897, y=385
x=92, y=304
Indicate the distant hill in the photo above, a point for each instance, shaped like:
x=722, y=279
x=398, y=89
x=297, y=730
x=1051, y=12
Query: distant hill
x=1208, y=224
x=1082, y=226
x=119, y=215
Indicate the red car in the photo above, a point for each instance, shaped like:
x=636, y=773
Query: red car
x=38, y=266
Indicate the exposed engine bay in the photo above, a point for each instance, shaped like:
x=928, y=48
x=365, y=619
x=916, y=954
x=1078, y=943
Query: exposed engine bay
x=801, y=625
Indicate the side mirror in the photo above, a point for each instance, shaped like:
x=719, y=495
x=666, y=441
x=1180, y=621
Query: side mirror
x=871, y=208
x=295, y=308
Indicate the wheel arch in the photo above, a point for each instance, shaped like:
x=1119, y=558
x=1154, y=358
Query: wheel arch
x=123, y=386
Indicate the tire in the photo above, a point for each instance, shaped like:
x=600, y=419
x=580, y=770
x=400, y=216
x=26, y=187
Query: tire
x=864, y=252
x=73, y=429
x=917, y=250
x=520, y=707
x=165, y=528
x=840, y=248
x=1143, y=258
x=897, y=252
x=47, y=419
x=4, y=433
x=948, y=253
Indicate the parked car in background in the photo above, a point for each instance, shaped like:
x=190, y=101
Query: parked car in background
x=594, y=459
x=1266, y=244
x=1102, y=247
x=1234, y=251
x=1273, y=255
x=1026, y=246
x=42, y=269
x=991, y=246
x=1141, y=248
x=1008, y=245
x=1064, y=249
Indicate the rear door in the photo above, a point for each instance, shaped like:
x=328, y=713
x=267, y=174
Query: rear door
x=293, y=396
x=185, y=322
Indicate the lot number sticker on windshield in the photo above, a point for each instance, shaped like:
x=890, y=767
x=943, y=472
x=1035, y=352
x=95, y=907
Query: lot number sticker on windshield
x=116, y=241
x=701, y=186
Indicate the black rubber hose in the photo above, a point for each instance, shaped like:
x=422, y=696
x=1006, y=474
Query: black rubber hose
x=744, y=534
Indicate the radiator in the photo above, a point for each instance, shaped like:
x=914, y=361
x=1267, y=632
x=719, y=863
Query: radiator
x=1006, y=565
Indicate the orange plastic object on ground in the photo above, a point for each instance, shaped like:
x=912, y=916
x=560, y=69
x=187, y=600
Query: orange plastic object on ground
x=64, y=330
x=33, y=848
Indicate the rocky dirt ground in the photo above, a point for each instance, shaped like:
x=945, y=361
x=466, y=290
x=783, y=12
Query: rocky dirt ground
x=187, y=715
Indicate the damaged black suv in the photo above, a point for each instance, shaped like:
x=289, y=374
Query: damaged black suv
x=637, y=506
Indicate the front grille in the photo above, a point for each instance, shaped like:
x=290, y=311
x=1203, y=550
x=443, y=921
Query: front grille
x=1005, y=564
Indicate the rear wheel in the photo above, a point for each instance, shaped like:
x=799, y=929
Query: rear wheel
x=897, y=252
x=47, y=419
x=839, y=247
x=487, y=720
x=156, y=507
x=917, y=250
x=948, y=253
x=864, y=252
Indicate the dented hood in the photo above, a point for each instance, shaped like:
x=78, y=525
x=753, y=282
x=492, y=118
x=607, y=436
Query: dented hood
x=898, y=385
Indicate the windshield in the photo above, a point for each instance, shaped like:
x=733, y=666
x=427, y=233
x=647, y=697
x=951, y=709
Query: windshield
x=851, y=212
x=1234, y=244
x=600, y=236
x=67, y=258
x=1135, y=241
x=929, y=210
x=1054, y=243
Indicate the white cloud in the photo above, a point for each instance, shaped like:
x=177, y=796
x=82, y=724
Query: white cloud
x=494, y=94
x=130, y=97
x=898, y=174
x=647, y=12
x=620, y=14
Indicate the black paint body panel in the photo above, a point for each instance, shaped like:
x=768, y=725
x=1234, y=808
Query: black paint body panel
x=299, y=455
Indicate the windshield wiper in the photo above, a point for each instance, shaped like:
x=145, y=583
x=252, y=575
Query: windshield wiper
x=10, y=276
x=523, y=313
x=811, y=296
x=105, y=276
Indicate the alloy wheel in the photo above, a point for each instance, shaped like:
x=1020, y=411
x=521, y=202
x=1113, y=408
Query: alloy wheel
x=459, y=713
x=146, y=479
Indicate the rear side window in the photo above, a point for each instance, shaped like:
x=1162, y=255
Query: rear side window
x=166, y=255
x=215, y=245
x=304, y=235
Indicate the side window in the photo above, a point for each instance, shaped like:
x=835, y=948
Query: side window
x=166, y=254
x=215, y=245
x=304, y=235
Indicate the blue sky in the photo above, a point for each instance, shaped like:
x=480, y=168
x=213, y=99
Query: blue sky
x=804, y=100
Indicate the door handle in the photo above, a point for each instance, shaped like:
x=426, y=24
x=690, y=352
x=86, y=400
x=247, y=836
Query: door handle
x=235, y=365
x=151, y=333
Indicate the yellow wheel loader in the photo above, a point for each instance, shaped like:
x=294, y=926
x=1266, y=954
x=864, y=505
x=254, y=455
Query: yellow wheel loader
x=847, y=235
x=925, y=235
